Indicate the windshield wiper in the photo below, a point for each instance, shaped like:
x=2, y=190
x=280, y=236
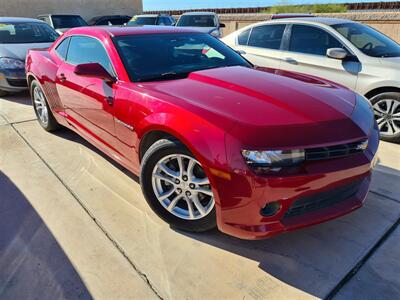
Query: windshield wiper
x=166, y=76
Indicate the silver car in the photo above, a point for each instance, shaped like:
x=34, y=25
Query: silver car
x=207, y=22
x=352, y=54
x=17, y=36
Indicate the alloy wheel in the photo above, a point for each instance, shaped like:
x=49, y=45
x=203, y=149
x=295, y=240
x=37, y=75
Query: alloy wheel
x=387, y=115
x=182, y=188
x=40, y=105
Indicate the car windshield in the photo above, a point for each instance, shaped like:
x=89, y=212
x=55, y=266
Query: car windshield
x=196, y=21
x=368, y=40
x=26, y=33
x=68, y=21
x=173, y=56
x=143, y=21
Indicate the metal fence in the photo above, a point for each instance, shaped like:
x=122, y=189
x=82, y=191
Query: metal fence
x=371, y=6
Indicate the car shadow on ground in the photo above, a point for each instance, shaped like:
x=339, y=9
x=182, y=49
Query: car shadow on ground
x=32, y=263
x=20, y=98
x=70, y=135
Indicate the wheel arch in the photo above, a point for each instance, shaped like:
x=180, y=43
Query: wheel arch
x=191, y=134
x=380, y=90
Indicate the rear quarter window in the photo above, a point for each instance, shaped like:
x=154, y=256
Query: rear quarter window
x=62, y=48
x=267, y=36
x=243, y=38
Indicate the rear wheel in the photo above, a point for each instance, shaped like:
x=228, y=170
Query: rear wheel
x=387, y=114
x=41, y=107
x=176, y=187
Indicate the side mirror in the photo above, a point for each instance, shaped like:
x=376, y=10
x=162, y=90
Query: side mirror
x=94, y=70
x=337, y=53
x=222, y=25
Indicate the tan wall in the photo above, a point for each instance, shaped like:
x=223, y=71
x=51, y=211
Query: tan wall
x=86, y=8
x=388, y=23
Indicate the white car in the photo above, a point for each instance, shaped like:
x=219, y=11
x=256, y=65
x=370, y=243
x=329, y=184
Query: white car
x=206, y=22
x=352, y=54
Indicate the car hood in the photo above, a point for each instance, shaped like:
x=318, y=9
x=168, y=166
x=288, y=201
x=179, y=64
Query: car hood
x=263, y=102
x=19, y=51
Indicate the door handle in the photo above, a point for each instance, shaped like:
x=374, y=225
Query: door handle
x=62, y=77
x=290, y=60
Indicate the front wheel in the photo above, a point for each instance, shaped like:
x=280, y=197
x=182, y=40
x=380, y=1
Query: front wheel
x=176, y=187
x=387, y=114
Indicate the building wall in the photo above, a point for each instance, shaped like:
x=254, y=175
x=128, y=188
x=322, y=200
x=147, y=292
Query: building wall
x=386, y=22
x=86, y=8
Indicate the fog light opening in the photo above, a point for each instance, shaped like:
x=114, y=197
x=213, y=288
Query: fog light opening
x=270, y=209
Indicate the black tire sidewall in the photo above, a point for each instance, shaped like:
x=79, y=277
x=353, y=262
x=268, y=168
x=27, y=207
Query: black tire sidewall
x=155, y=153
x=393, y=96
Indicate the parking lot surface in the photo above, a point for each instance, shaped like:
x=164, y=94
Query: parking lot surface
x=74, y=224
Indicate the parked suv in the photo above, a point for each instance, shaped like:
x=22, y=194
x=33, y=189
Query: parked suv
x=163, y=20
x=62, y=23
x=207, y=22
x=352, y=54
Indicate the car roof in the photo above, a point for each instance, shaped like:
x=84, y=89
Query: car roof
x=313, y=20
x=148, y=15
x=129, y=30
x=195, y=13
x=59, y=15
x=19, y=20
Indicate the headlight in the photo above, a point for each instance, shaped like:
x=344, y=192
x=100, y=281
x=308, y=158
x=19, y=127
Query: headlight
x=11, y=63
x=273, y=159
x=216, y=33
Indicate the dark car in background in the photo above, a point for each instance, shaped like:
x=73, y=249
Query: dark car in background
x=109, y=20
x=161, y=19
x=62, y=23
x=17, y=36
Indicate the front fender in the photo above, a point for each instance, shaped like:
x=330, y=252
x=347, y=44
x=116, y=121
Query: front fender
x=206, y=141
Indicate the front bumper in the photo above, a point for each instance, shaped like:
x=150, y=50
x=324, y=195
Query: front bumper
x=13, y=80
x=325, y=190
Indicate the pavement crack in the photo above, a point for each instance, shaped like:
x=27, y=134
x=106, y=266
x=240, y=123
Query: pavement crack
x=363, y=260
x=96, y=221
x=384, y=196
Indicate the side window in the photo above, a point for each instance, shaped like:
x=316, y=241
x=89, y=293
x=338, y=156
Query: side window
x=102, y=22
x=62, y=48
x=267, y=36
x=311, y=40
x=86, y=50
x=243, y=38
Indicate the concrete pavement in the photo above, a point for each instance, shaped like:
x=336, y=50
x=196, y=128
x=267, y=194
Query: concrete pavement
x=109, y=244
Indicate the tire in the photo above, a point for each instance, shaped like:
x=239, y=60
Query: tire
x=3, y=93
x=42, y=109
x=387, y=113
x=169, y=152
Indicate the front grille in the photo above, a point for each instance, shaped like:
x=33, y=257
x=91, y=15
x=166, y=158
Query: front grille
x=335, y=151
x=17, y=82
x=322, y=200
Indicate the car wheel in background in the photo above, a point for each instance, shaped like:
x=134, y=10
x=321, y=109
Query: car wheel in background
x=387, y=114
x=176, y=187
x=41, y=107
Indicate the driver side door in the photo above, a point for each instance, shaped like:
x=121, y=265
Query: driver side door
x=87, y=100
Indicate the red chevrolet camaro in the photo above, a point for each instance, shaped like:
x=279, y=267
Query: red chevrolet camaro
x=215, y=140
